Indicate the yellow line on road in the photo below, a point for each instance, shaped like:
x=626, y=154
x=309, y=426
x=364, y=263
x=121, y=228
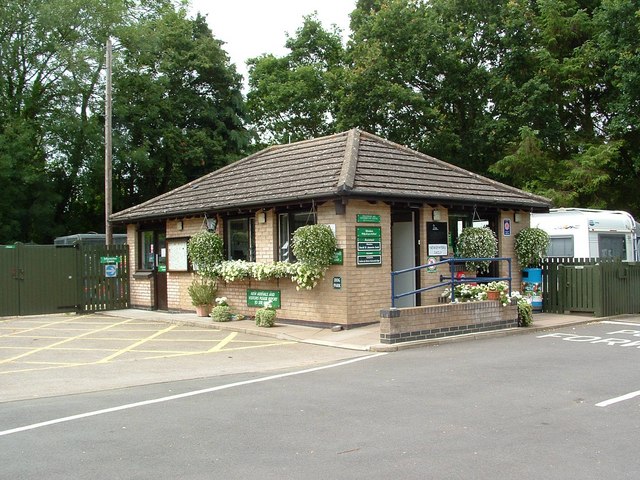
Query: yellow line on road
x=223, y=343
x=66, y=340
x=38, y=327
x=134, y=345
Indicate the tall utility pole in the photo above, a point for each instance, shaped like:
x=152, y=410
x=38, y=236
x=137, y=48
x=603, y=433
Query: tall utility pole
x=108, y=152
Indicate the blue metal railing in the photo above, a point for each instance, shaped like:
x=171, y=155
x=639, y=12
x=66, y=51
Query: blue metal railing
x=453, y=280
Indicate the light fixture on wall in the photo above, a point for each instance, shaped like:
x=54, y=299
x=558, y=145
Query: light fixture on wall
x=262, y=217
x=179, y=225
x=436, y=215
x=517, y=217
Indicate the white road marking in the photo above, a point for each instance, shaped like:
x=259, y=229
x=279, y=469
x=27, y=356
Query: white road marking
x=622, y=398
x=621, y=323
x=181, y=395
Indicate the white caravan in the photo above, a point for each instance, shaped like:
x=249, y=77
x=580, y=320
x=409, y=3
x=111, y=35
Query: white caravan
x=588, y=233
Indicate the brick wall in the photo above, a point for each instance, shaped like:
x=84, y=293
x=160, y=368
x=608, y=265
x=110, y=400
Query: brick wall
x=439, y=321
x=365, y=289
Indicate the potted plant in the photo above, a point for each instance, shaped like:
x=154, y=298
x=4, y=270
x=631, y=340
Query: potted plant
x=266, y=316
x=477, y=242
x=492, y=291
x=202, y=292
x=531, y=246
x=221, y=312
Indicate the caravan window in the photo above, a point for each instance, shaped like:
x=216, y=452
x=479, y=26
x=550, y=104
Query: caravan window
x=560, y=247
x=612, y=246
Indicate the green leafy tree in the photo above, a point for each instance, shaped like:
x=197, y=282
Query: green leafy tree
x=178, y=110
x=296, y=97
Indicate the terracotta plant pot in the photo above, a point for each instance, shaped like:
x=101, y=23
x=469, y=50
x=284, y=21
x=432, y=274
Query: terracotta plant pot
x=493, y=295
x=203, y=310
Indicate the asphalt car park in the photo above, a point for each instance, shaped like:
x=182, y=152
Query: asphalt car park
x=62, y=354
x=554, y=404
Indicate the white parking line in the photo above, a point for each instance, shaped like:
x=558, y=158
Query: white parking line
x=181, y=395
x=611, y=322
x=622, y=398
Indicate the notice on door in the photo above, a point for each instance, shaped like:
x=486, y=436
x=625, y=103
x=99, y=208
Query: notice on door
x=368, y=246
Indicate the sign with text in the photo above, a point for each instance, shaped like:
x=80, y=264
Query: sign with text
x=368, y=246
x=437, y=239
x=257, y=298
x=367, y=218
x=338, y=257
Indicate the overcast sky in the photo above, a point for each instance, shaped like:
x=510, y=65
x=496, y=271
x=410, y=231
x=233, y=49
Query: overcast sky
x=250, y=28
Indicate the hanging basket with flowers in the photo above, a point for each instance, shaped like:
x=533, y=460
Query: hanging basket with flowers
x=477, y=242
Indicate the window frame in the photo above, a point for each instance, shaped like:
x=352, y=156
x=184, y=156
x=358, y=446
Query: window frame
x=285, y=235
x=250, y=229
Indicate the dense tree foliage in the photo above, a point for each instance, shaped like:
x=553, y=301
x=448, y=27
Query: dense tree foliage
x=542, y=94
x=296, y=97
x=178, y=110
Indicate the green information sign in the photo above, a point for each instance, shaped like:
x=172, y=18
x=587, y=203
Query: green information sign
x=338, y=257
x=257, y=298
x=104, y=260
x=368, y=246
x=367, y=218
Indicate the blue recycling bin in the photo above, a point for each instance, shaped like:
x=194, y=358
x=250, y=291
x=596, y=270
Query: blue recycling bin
x=532, y=287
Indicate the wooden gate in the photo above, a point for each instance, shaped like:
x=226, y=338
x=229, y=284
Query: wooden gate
x=599, y=286
x=41, y=279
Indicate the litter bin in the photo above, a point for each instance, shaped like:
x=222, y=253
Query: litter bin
x=532, y=287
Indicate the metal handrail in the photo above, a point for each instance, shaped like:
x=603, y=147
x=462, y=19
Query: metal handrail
x=452, y=281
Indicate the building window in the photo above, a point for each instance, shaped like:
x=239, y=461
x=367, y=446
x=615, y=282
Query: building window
x=241, y=239
x=152, y=252
x=287, y=224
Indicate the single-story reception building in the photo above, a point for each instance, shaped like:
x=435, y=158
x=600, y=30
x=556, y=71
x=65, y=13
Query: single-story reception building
x=390, y=208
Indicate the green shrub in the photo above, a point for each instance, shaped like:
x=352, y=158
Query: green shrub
x=525, y=313
x=221, y=313
x=265, y=317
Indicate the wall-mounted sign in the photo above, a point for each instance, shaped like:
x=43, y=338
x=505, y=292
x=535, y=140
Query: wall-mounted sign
x=110, y=271
x=104, y=260
x=506, y=227
x=338, y=257
x=432, y=268
x=257, y=298
x=368, y=246
x=337, y=283
x=437, y=239
x=367, y=218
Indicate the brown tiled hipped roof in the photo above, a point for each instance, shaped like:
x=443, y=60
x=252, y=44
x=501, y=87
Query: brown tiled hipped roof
x=349, y=164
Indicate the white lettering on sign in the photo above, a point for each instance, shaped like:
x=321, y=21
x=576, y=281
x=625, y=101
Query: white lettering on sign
x=621, y=342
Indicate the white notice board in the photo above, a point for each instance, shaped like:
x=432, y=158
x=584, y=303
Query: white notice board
x=177, y=255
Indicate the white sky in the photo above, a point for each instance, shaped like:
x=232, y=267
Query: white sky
x=250, y=28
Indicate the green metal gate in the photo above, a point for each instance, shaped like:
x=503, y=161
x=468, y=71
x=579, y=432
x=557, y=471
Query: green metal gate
x=41, y=279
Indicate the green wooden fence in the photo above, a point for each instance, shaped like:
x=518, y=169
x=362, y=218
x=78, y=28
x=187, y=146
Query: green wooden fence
x=600, y=286
x=40, y=279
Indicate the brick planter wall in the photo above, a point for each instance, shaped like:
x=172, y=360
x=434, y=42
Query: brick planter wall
x=438, y=321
